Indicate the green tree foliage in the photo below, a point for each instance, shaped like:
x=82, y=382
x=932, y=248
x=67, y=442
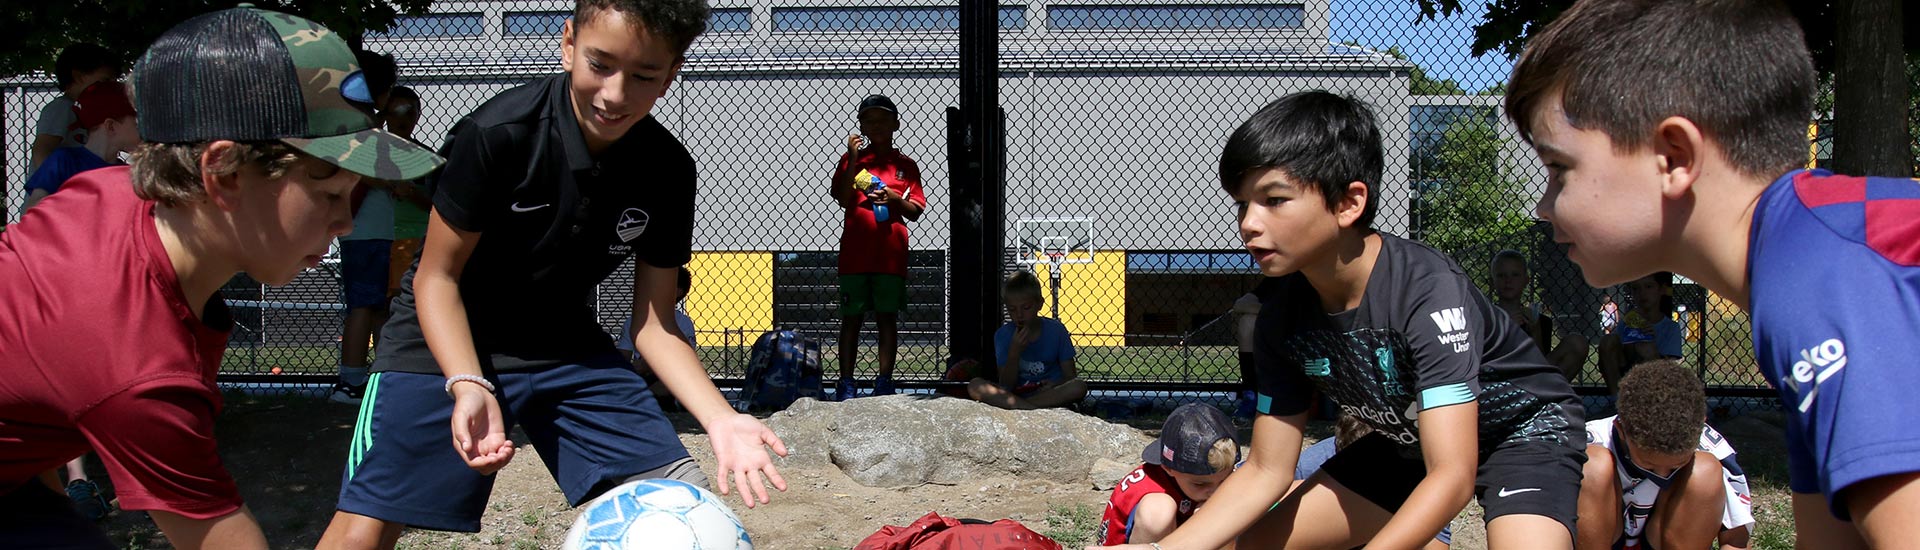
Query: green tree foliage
x=1867, y=119
x=32, y=32
x=1471, y=202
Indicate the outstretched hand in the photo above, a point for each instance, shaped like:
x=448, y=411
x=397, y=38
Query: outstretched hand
x=479, y=434
x=737, y=441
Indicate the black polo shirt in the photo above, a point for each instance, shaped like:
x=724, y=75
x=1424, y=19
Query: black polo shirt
x=554, y=222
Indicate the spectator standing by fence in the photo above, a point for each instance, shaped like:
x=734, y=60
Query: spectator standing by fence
x=879, y=187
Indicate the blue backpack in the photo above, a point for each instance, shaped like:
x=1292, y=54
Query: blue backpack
x=783, y=367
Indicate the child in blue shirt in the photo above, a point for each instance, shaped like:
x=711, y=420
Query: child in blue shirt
x=1033, y=355
x=1703, y=176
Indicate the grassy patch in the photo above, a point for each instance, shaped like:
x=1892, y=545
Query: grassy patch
x=1072, y=525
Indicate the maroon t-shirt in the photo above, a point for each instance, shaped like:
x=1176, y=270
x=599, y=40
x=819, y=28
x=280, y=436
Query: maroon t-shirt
x=102, y=353
x=868, y=245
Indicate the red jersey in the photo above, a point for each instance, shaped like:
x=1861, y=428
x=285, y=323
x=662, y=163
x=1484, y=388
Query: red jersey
x=102, y=352
x=1117, y=523
x=866, y=244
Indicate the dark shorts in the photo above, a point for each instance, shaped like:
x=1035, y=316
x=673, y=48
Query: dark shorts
x=593, y=424
x=34, y=517
x=872, y=292
x=363, y=272
x=1538, y=478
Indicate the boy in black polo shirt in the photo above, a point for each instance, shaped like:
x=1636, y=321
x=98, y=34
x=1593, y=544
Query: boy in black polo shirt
x=552, y=185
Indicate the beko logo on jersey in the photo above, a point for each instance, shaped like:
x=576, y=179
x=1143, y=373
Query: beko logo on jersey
x=1815, y=366
x=1453, y=327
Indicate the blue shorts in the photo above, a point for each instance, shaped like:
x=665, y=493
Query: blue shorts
x=593, y=424
x=33, y=516
x=363, y=272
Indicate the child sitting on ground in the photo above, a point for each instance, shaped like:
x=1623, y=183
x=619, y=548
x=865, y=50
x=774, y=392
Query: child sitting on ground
x=1646, y=333
x=1034, y=355
x=1656, y=475
x=1510, y=281
x=1195, y=452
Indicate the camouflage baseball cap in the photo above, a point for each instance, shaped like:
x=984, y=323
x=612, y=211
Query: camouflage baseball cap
x=247, y=74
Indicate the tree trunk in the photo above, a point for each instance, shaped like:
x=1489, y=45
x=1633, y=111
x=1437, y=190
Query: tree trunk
x=1870, y=134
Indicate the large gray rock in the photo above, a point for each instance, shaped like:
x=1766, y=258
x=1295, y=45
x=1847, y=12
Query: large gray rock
x=901, y=440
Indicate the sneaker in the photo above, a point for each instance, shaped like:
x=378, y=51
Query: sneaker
x=845, y=390
x=346, y=393
x=87, y=499
x=882, y=386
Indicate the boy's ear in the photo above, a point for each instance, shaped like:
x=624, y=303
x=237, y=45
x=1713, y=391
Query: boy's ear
x=566, y=45
x=1679, y=146
x=1353, y=202
x=222, y=190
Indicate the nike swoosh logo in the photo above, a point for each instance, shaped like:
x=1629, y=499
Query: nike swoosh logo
x=1504, y=493
x=517, y=208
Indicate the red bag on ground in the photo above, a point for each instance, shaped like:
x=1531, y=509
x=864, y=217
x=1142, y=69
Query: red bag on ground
x=937, y=532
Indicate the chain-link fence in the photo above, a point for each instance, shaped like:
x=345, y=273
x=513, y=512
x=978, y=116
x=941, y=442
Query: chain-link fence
x=1115, y=114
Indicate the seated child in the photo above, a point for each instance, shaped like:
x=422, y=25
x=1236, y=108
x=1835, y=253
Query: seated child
x=1656, y=475
x=1195, y=452
x=107, y=114
x=1346, y=430
x=1034, y=355
x=1646, y=333
x=1510, y=282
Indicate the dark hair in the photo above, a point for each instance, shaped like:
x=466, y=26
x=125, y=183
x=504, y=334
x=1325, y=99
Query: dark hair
x=1663, y=407
x=169, y=173
x=1665, y=278
x=1738, y=69
x=1024, y=282
x=677, y=21
x=1349, y=429
x=685, y=281
x=1508, y=255
x=379, y=69
x=1318, y=138
x=403, y=92
x=82, y=58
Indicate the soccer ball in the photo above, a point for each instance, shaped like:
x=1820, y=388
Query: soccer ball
x=657, y=514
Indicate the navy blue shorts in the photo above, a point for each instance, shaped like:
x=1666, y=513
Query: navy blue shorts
x=594, y=425
x=363, y=272
x=33, y=516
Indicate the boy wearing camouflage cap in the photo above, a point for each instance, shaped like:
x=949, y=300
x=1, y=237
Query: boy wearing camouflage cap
x=257, y=130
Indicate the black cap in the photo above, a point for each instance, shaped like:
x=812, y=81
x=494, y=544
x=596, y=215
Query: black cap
x=1188, y=437
x=877, y=101
x=247, y=74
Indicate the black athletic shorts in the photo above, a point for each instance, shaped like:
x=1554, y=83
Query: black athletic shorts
x=1532, y=477
x=33, y=516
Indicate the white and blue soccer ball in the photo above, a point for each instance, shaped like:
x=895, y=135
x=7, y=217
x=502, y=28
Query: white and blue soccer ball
x=657, y=514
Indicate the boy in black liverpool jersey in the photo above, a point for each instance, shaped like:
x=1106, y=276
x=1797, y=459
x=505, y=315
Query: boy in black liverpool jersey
x=1460, y=400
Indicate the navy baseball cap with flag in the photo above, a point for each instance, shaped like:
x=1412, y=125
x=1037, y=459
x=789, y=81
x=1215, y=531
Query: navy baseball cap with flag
x=247, y=74
x=1187, y=438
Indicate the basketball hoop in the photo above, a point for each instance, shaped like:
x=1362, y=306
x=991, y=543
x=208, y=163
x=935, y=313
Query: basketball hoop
x=1055, y=257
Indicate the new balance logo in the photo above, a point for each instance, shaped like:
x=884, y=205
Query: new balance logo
x=1453, y=327
x=1815, y=366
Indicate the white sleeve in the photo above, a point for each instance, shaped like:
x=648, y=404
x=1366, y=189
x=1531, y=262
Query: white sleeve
x=1739, y=501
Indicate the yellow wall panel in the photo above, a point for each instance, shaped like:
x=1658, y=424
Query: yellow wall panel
x=731, y=290
x=1093, y=298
